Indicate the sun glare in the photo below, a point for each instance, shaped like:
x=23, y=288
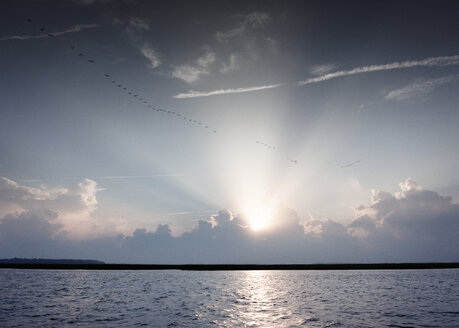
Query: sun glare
x=259, y=218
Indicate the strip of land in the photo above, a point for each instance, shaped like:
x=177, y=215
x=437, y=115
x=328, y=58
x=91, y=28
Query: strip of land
x=231, y=267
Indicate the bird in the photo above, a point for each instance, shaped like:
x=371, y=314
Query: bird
x=107, y=75
x=42, y=29
x=29, y=20
x=91, y=61
x=50, y=34
x=120, y=85
x=350, y=164
x=80, y=54
x=72, y=47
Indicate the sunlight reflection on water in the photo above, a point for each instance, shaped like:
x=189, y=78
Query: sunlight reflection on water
x=43, y=298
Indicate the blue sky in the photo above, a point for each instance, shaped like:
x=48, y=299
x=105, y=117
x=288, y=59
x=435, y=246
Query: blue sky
x=252, y=107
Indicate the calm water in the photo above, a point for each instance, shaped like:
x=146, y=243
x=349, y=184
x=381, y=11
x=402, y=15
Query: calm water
x=53, y=298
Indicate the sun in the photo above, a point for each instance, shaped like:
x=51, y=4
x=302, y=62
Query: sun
x=259, y=218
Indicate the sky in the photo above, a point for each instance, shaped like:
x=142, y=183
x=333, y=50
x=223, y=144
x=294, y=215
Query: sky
x=230, y=132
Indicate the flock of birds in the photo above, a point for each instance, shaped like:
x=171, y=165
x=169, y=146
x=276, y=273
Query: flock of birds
x=150, y=106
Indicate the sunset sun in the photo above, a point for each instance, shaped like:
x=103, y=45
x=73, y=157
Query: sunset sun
x=259, y=218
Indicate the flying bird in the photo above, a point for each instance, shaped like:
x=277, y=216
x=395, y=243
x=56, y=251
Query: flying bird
x=80, y=54
x=107, y=75
x=72, y=47
x=91, y=61
x=29, y=20
x=350, y=164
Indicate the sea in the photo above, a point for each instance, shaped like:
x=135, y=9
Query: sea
x=173, y=298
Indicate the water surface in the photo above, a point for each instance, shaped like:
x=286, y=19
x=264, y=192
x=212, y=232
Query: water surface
x=360, y=298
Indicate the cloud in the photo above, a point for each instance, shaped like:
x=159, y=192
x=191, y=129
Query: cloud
x=243, y=23
x=428, y=62
x=414, y=224
x=135, y=28
x=31, y=226
x=192, y=72
x=136, y=25
x=418, y=89
x=322, y=69
x=248, y=40
x=73, y=29
x=231, y=65
x=194, y=94
x=73, y=205
x=147, y=50
x=188, y=73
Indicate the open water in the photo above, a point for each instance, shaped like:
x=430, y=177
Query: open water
x=374, y=298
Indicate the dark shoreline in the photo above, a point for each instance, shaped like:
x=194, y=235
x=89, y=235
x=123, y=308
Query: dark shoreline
x=232, y=267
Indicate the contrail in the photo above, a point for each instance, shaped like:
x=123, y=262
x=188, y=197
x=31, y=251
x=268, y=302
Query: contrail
x=73, y=29
x=112, y=177
x=428, y=62
x=194, y=94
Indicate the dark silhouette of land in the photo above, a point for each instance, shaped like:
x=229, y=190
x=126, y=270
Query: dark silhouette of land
x=97, y=265
x=18, y=260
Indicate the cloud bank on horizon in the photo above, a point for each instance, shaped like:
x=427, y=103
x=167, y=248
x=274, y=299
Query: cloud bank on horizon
x=411, y=225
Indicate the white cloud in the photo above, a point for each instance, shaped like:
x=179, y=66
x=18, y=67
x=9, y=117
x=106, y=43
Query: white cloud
x=230, y=65
x=428, y=62
x=194, y=71
x=188, y=73
x=135, y=28
x=413, y=215
x=244, y=22
x=206, y=59
x=137, y=24
x=73, y=205
x=418, y=89
x=322, y=69
x=147, y=50
x=195, y=94
x=73, y=29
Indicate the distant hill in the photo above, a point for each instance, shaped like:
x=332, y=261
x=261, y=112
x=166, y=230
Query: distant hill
x=49, y=261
